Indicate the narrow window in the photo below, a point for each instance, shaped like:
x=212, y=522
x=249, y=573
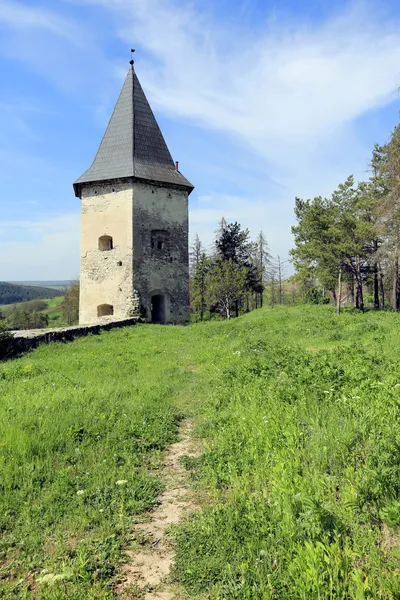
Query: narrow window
x=105, y=242
x=159, y=242
x=104, y=310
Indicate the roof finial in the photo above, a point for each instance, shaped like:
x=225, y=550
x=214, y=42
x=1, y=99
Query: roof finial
x=132, y=61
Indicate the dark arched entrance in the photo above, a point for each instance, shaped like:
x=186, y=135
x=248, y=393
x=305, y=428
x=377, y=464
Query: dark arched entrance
x=158, y=308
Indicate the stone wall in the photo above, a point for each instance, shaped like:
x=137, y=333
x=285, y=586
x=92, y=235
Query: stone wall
x=160, y=249
x=22, y=341
x=106, y=275
x=148, y=224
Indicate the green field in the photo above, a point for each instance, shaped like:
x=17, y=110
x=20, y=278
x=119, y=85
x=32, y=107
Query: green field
x=299, y=480
x=52, y=309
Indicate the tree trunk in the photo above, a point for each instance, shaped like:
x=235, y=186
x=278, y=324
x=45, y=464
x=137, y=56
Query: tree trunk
x=351, y=290
x=339, y=291
x=396, y=285
x=376, y=280
x=202, y=298
x=382, y=289
x=359, y=294
x=376, y=287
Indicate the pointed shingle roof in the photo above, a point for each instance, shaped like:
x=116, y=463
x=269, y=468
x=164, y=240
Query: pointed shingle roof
x=133, y=145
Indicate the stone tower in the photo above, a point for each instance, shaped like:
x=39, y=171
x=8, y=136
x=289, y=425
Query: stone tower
x=134, y=223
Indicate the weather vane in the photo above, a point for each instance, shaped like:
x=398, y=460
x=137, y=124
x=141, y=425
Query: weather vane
x=132, y=61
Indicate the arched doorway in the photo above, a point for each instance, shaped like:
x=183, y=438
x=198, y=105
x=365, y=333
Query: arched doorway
x=158, y=308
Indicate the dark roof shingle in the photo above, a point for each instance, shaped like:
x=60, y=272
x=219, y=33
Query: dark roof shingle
x=133, y=145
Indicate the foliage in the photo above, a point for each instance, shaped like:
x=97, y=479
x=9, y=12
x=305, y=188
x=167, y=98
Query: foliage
x=299, y=475
x=5, y=338
x=246, y=268
x=70, y=305
x=301, y=461
x=355, y=232
x=226, y=284
x=77, y=419
x=20, y=318
x=198, y=284
x=11, y=293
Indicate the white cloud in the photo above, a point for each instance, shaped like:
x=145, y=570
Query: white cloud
x=290, y=93
x=24, y=17
x=284, y=89
x=38, y=250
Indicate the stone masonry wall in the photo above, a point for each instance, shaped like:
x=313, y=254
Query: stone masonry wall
x=23, y=341
x=160, y=214
x=106, y=275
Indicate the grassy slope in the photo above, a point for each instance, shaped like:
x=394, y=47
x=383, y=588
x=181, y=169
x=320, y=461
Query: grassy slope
x=53, y=309
x=299, y=411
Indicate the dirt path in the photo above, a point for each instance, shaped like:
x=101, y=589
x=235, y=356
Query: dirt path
x=148, y=569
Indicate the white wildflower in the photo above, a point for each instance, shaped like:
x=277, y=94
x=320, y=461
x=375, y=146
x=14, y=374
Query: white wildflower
x=80, y=493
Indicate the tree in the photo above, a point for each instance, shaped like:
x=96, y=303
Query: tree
x=335, y=237
x=234, y=244
x=226, y=284
x=195, y=253
x=70, y=305
x=315, y=255
x=262, y=260
x=280, y=268
x=199, y=284
x=388, y=171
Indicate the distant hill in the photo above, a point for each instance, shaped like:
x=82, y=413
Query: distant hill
x=53, y=284
x=11, y=293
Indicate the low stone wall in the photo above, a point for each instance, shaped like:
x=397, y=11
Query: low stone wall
x=31, y=338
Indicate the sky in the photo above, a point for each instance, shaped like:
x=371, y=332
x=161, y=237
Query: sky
x=259, y=100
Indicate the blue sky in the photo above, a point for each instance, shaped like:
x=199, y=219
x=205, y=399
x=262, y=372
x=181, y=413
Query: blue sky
x=259, y=101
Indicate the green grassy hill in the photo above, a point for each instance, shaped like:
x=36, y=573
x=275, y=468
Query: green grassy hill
x=11, y=293
x=46, y=306
x=299, y=480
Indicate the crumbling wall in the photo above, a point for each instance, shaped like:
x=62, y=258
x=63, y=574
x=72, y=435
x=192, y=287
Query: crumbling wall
x=106, y=275
x=160, y=249
x=22, y=341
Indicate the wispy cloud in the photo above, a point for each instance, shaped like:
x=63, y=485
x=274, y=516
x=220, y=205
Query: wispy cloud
x=21, y=16
x=284, y=88
x=290, y=92
x=283, y=98
x=34, y=249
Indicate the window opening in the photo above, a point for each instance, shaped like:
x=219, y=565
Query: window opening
x=105, y=243
x=104, y=310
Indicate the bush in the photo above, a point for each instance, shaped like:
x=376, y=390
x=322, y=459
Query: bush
x=314, y=296
x=5, y=345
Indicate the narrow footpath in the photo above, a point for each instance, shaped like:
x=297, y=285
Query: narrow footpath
x=148, y=569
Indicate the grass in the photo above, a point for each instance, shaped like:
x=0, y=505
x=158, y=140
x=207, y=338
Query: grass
x=52, y=309
x=299, y=412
